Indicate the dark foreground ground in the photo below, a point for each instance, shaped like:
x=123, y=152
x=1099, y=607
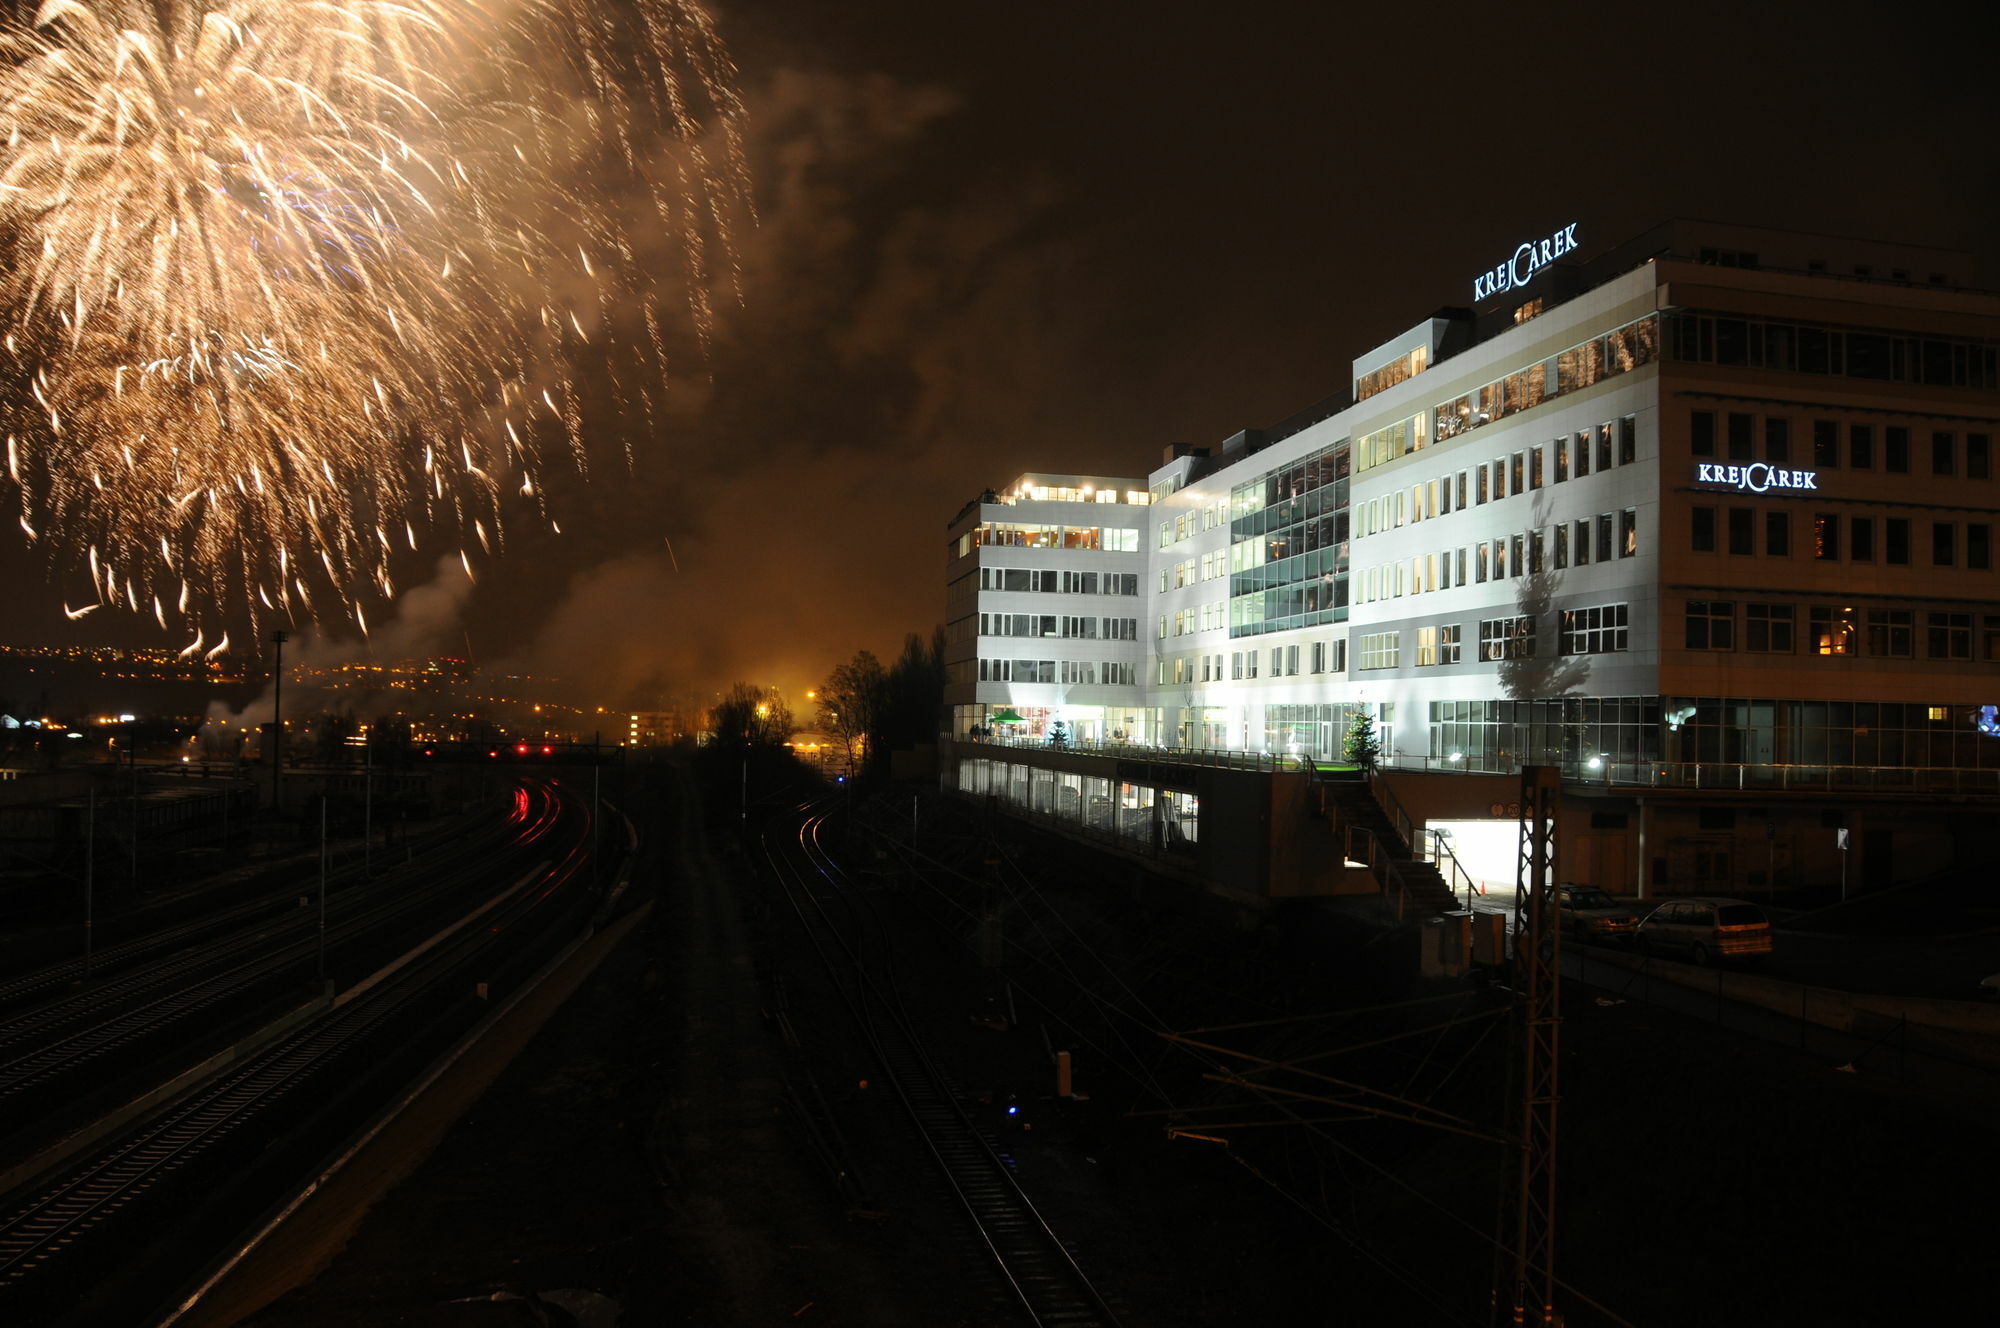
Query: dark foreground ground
x=632, y=1166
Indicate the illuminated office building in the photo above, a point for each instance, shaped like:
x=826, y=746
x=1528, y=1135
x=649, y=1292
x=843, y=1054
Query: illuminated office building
x=1717, y=504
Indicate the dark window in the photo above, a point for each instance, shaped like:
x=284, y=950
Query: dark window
x=1604, y=537
x=1778, y=440
x=1582, y=466
x=1896, y=540
x=1826, y=444
x=1978, y=456
x=1628, y=440
x=1861, y=539
x=1867, y=355
x=1742, y=530
x=1701, y=529
x=1950, y=635
x=1944, y=454
x=1701, y=433
x=1732, y=339
x=1711, y=624
x=1778, y=534
x=1896, y=450
x=1978, y=546
x=1768, y=628
x=1742, y=436
x=1815, y=350
x=1826, y=537
x=1891, y=633
x=1944, y=544
x=1583, y=541
x=1861, y=446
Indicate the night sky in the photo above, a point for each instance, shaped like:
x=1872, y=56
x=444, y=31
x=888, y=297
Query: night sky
x=1059, y=237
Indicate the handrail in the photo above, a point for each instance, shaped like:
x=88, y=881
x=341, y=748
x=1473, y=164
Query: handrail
x=1439, y=847
x=1385, y=797
x=1381, y=866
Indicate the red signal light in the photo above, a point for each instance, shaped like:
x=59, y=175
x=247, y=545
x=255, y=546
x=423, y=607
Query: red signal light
x=521, y=750
x=547, y=750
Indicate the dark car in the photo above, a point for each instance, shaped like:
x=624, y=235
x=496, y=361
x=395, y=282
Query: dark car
x=1706, y=930
x=1591, y=914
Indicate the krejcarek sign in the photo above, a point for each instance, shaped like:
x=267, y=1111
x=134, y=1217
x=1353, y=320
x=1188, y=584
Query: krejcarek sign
x=1756, y=477
x=1529, y=259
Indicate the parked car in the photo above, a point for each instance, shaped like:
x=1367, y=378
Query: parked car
x=1588, y=912
x=1706, y=930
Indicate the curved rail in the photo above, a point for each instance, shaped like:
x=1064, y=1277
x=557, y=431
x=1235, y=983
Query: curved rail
x=1035, y=1263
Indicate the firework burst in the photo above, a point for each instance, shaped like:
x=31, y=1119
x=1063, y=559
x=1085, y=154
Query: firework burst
x=289, y=287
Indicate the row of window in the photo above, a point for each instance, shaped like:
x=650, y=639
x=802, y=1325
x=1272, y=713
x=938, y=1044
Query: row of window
x=1969, y=457
x=1879, y=633
x=1190, y=523
x=1193, y=571
x=1066, y=626
x=1026, y=535
x=1069, y=672
x=1196, y=618
x=1597, y=629
x=1611, y=443
x=1284, y=661
x=1616, y=352
x=1051, y=581
x=1792, y=348
x=1527, y=553
x=1836, y=538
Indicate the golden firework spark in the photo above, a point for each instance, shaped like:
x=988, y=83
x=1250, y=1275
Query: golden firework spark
x=283, y=275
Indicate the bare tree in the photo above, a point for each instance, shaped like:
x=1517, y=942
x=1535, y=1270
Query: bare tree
x=1543, y=673
x=850, y=700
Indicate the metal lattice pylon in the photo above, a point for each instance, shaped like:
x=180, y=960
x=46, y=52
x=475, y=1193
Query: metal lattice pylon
x=1524, y=1292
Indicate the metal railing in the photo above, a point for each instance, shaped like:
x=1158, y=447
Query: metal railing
x=1220, y=758
x=1722, y=775
x=1448, y=865
x=1392, y=807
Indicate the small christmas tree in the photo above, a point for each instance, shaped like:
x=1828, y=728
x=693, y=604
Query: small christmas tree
x=1359, y=746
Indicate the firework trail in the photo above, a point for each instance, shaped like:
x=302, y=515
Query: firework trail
x=290, y=288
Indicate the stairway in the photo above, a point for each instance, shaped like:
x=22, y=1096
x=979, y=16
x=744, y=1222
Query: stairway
x=1345, y=799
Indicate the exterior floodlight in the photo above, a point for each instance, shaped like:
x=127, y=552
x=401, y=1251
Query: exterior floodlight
x=1596, y=763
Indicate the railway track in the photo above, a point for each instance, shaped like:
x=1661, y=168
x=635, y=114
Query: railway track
x=38, y=985
x=1047, y=1285
x=114, y=1236
x=109, y=1035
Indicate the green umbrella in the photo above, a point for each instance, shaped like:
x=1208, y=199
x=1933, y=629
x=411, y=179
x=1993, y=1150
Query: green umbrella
x=1008, y=717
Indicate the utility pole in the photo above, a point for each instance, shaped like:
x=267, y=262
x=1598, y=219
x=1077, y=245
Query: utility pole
x=1524, y=1282
x=278, y=638
x=89, y=878
x=368, y=804
x=321, y=973
x=135, y=815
